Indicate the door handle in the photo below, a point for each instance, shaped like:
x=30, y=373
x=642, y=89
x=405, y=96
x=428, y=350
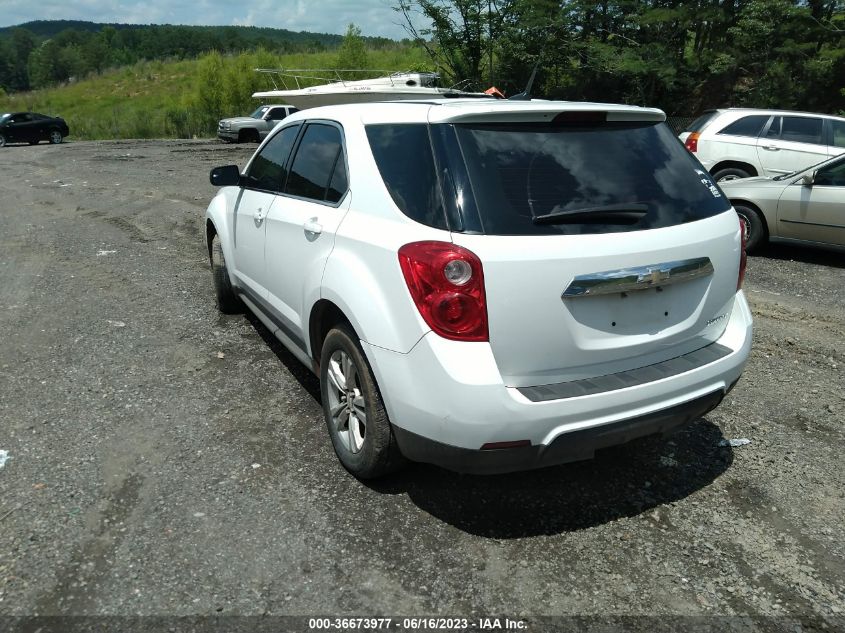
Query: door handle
x=312, y=226
x=771, y=148
x=258, y=217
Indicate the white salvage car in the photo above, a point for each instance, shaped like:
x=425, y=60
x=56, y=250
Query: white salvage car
x=487, y=286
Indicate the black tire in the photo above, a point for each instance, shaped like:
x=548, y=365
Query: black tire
x=248, y=136
x=227, y=300
x=730, y=173
x=55, y=136
x=755, y=228
x=2, y=140
x=377, y=453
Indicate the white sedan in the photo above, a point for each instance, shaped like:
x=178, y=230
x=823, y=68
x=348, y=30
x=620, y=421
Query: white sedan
x=805, y=207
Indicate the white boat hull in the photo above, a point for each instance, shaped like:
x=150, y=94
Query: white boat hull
x=395, y=87
x=313, y=98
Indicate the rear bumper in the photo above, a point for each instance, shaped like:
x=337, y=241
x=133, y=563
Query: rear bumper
x=570, y=447
x=447, y=399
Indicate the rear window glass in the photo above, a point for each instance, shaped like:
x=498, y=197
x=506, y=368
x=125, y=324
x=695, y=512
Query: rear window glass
x=746, y=126
x=404, y=158
x=599, y=178
x=700, y=122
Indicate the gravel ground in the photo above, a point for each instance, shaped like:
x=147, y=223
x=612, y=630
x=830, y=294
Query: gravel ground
x=166, y=460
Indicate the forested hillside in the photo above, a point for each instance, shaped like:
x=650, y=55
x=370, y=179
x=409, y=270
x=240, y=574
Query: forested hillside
x=45, y=53
x=678, y=55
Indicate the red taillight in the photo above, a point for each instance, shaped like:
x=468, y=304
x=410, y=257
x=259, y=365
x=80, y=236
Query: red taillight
x=692, y=142
x=743, y=258
x=447, y=285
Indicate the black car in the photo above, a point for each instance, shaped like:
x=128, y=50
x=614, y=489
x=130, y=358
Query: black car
x=31, y=127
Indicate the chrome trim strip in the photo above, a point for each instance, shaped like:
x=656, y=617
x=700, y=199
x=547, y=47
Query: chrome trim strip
x=827, y=226
x=638, y=278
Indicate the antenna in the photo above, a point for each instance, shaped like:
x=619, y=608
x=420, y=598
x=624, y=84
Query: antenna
x=525, y=95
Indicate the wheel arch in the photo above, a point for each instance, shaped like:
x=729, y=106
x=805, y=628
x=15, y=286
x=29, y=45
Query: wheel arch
x=370, y=291
x=246, y=134
x=754, y=207
x=324, y=316
x=735, y=164
x=217, y=222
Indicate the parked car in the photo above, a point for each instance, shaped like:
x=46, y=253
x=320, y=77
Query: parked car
x=482, y=285
x=804, y=207
x=739, y=143
x=31, y=127
x=255, y=127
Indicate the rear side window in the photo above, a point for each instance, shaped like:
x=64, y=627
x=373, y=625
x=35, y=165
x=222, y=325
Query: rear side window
x=267, y=170
x=798, y=129
x=586, y=178
x=746, y=126
x=838, y=133
x=404, y=158
x=312, y=174
x=700, y=122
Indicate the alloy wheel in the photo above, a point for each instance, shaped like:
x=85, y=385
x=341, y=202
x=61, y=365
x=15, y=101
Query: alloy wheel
x=347, y=405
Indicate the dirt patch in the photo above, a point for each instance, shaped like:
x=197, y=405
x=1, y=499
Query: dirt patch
x=150, y=475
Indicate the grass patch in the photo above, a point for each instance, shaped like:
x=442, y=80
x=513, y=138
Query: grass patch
x=179, y=99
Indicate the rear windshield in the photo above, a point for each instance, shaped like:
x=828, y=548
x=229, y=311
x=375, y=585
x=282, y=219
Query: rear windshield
x=540, y=179
x=700, y=122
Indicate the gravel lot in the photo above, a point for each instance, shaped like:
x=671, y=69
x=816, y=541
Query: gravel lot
x=167, y=460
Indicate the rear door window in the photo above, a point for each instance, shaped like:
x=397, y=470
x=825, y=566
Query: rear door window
x=318, y=171
x=797, y=129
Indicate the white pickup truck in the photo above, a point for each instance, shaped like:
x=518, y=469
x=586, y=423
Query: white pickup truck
x=253, y=128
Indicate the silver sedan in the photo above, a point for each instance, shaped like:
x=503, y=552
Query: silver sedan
x=804, y=207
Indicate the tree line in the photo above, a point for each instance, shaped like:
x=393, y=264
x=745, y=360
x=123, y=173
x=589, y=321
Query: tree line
x=681, y=55
x=44, y=53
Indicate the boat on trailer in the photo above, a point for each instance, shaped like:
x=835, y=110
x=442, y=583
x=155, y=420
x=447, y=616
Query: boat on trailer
x=396, y=86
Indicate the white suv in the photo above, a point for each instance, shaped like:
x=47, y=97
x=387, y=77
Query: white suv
x=484, y=286
x=739, y=142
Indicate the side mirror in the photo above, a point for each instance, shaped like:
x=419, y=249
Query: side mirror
x=226, y=176
x=808, y=179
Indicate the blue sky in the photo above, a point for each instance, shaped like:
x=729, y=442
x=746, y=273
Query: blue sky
x=374, y=17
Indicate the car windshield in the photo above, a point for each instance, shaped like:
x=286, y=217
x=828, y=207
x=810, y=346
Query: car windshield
x=700, y=122
x=259, y=112
x=803, y=169
x=541, y=179
x=585, y=178
x=4, y=117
